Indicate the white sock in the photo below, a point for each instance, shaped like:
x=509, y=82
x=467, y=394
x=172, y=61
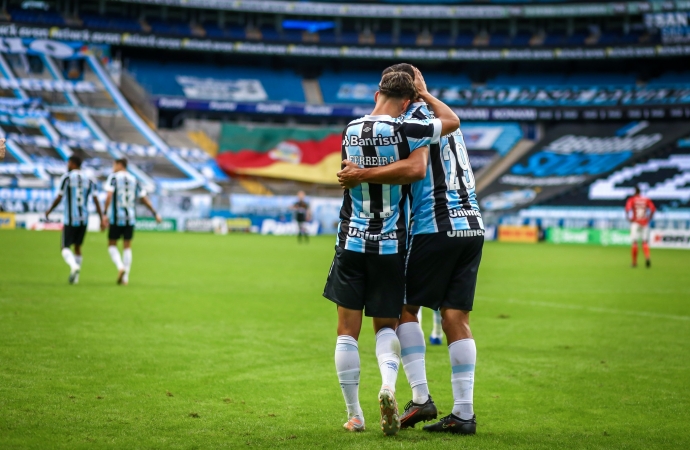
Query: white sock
x=412, y=350
x=347, y=367
x=115, y=256
x=77, y=258
x=127, y=260
x=437, y=330
x=68, y=256
x=463, y=357
x=388, y=354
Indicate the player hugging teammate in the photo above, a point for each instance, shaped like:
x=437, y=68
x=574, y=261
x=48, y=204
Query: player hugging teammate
x=369, y=273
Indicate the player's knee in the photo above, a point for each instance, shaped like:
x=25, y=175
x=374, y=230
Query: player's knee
x=409, y=314
x=381, y=323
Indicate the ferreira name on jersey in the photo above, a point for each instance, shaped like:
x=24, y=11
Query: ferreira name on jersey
x=373, y=217
x=445, y=200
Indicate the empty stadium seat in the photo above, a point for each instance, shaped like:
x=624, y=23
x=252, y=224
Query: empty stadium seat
x=111, y=22
x=160, y=78
x=36, y=16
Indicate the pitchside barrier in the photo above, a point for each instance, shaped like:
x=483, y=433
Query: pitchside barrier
x=593, y=236
x=7, y=221
x=514, y=233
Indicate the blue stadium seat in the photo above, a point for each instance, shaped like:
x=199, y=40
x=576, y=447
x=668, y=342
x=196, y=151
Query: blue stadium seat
x=554, y=39
x=35, y=16
x=464, y=39
x=159, y=78
x=349, y=37
x=177, y=28
x=269, y=33
x=577, y=38
x=384, y=38
x=521, y=39
x=407, y=38
x=443, y=38
x=609, y=38
x=213, y=31
x=327, y=37
x=111, y=22
x=294, y=36
x=499, y=39
x=236, y=32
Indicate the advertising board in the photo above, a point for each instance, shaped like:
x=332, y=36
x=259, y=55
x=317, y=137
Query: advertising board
x=670, y=239
x=7, y=221
x=148, y=224
x=512, y=233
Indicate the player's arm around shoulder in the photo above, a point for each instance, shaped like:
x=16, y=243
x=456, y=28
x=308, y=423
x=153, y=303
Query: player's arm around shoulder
x=405, y=171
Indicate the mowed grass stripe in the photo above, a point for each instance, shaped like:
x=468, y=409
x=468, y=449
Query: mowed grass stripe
x=226, y=342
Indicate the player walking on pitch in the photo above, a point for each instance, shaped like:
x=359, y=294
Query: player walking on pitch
x=302, y=216
x=367, y=273
x=442, y=263
x=75, y=188
x=639, y=210
x=123, y=190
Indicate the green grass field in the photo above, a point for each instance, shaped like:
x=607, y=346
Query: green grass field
x=226, y=342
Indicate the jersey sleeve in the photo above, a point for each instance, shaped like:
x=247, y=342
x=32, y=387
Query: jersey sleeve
x=422, y=132
x=63, y=183
x=109, y=185
x=141, y=192
x=628, y=205
x=650, y=205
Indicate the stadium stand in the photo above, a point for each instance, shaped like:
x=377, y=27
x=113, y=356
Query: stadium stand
x=255, y=84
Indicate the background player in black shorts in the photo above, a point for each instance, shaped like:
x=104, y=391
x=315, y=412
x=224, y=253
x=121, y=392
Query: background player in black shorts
x=302, y=216
x=123, y=190
x=75, y=189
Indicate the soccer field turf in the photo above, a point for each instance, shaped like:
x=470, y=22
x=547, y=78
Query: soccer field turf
x=226, y=342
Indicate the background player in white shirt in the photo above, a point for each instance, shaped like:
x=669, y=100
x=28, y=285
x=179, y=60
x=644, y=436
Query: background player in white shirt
x=75, y=188
x=123, y=189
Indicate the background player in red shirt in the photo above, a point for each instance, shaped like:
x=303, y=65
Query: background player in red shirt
x=639, y=210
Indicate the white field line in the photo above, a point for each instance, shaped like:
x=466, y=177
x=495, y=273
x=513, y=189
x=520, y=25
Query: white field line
x=597, y=309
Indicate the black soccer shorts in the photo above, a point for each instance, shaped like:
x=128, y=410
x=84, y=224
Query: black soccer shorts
x=73, y=235
x=125, y=232
x=442, y=270
x=373, y=283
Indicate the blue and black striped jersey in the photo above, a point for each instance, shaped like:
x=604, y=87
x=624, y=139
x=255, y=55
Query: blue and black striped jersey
x=126, y=190
x=445, y=200
x=76, y=188
x=373, y=218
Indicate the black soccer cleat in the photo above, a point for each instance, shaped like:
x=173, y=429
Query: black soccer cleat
x=418, y=412
x=453, y=424
x=649, y=263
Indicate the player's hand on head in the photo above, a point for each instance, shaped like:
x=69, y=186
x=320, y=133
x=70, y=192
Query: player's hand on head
x=419, y=82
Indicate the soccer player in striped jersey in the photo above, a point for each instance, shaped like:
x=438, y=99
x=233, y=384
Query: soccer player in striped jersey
x=367, y=274
x=123, y=190
x=75, y=188
x=442, y=263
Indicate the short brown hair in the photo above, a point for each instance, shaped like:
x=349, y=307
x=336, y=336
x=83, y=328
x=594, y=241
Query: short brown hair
x=122, y=162
x=402, y=67
x=398, y=85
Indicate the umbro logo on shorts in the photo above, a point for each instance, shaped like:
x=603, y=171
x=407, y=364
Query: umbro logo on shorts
x=367, y=129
